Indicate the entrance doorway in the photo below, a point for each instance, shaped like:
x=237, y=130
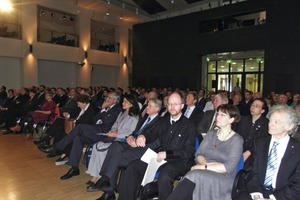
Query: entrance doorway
x=235, y=71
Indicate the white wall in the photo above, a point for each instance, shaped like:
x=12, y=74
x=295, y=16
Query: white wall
x=57, y=74
x=104, y=76
x=10, y=72
x=47, y=59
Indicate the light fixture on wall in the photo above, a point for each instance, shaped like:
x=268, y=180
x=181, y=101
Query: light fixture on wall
x=81, y=63
x=125, y=60
x=30, y=48
x=85, y=54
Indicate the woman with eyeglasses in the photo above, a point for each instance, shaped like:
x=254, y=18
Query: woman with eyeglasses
x=216, y=161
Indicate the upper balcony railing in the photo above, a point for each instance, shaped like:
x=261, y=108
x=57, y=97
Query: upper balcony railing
x=54, y=37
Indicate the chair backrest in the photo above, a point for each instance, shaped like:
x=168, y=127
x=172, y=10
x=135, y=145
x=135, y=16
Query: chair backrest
x=240, y=165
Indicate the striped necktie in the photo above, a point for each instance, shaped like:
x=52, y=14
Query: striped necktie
x=271, y=166
x=142, y=128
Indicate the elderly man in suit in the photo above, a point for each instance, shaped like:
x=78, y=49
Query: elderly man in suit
x=120, y=153
x=208, y=120
x=87, y=134
x=275, y=173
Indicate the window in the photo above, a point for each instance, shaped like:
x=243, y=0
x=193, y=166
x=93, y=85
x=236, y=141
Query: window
x=57, y=27
x=103, y=37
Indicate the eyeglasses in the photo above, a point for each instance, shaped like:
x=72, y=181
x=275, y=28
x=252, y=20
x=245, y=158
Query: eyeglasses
x=173, y=104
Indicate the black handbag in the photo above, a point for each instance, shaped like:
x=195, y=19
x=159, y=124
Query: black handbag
x=148, y=191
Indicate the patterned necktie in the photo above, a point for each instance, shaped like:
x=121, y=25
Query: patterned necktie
x=142, y=128
x=271, y=166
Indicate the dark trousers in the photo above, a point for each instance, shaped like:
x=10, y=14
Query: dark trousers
x=131, y=181
x=57, y=130
x=183, y=191
x=119, y=154
x=80, y=135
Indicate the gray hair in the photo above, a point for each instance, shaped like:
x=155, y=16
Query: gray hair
x=292, y=118
x=223, y=98
x=156, y=102
x=117, y=96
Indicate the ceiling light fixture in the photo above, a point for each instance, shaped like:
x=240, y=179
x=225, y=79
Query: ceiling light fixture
x=6, y=6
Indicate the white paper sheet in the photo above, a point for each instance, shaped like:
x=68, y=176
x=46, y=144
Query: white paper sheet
x=150, y=158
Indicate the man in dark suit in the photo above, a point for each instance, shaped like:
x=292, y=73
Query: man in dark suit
x=201, y=99
x=190, y=111
x=176, y=145
x=276, y=167
x=87, y=134
x=120, y=153
x=252, y=127
x=70, y=104
x=248, y=95
x=41, y=95
x=208, y=119
x=83, y=114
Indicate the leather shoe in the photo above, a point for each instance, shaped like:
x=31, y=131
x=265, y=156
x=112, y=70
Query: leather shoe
x=42, y=142
x=107, y=196
x=47, y=149
x=51, y=155
x=72, y=172
x=99, y=185
x=89, y=182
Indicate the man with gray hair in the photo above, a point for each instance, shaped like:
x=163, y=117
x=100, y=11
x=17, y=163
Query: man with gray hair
x=275, y=171
x=208, y=120
x=121, y=153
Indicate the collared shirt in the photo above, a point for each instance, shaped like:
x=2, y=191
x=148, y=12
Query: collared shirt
x=83, y=111
x=281, y=148
x=174, y=120
x=189, y=111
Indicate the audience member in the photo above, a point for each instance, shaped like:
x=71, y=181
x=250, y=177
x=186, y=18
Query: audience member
x=248, y=99
x=83, y=114
x=282, y=99
x=190, y=111
x=201, y=99
x=252, y=127
x=208, y=120
x=88, y=134
x=276, y=166
x=209, y=104
x=217, y=159
x=120, y=154
x=177, y=145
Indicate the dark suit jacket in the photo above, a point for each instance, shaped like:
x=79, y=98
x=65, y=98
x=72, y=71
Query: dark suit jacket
x=196, y=115
x=69, y=106
x=205, y=123
x=250, y=132
x=288, y=178
x=177, y=140
x=107, y=118
x=86, y=117
x=201, y=104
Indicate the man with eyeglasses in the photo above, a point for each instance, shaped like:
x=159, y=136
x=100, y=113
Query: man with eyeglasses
x=176, y=145
x=252, y=127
